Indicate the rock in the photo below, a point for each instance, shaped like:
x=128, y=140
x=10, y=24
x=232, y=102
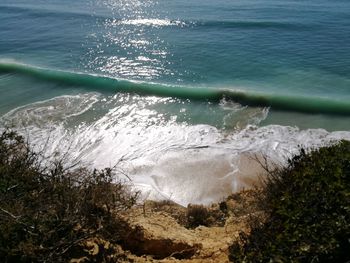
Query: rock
x=156, y=231
x=159, y=235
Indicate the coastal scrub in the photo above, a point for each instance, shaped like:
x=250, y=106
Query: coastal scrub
x=306, y=211
x=47, y=211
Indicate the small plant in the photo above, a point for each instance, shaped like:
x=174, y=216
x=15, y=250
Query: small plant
x=197, y=215
x=47, y=212
x=306, y=211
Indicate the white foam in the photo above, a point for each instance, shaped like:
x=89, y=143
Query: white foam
x=164, y=158
x=52, y=110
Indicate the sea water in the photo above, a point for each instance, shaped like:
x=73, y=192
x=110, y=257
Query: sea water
x=181, y=96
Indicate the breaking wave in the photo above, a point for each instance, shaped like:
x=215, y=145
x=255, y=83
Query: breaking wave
x=305, y=104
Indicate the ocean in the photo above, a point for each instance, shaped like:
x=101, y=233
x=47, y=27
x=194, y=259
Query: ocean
x=181, y=96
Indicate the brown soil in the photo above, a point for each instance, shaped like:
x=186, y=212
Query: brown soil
x=159, y=232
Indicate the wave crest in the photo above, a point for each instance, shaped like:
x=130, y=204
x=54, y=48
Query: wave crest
x=103, y=83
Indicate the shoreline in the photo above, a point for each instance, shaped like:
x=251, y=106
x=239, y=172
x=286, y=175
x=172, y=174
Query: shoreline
x=160, y=161
x=83, y=215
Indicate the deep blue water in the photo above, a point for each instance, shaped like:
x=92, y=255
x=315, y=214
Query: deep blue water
x=294, y=47
x=273, y=47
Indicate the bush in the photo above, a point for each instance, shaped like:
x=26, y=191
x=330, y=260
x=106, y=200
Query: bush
x=197, y=215
x=45, y=212
x=307, y=211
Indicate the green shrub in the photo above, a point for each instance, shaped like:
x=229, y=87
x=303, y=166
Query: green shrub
x=45, y=212
x=197, y=215
x=307, y=211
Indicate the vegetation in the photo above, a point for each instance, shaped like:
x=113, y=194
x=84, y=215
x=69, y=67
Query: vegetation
x=50, y=214
x=46, y=212
x=199, y=215
x=306, y=209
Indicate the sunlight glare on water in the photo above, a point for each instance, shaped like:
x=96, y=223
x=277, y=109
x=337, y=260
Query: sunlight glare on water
x=130, y=45
x=239, y=78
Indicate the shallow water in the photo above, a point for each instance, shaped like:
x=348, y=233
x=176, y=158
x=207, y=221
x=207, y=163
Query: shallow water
x=181, y=94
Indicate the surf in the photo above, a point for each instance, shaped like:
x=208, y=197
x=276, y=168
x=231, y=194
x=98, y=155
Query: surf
x=100, y=83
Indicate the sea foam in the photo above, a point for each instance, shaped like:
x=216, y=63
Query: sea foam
x=163, y=158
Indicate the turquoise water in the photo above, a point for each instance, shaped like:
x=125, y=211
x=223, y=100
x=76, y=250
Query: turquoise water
x=148, y=79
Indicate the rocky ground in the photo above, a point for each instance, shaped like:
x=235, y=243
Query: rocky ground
x=166, y=232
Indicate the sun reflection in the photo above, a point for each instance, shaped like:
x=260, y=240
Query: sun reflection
x=129, y=44
x=127, y=6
